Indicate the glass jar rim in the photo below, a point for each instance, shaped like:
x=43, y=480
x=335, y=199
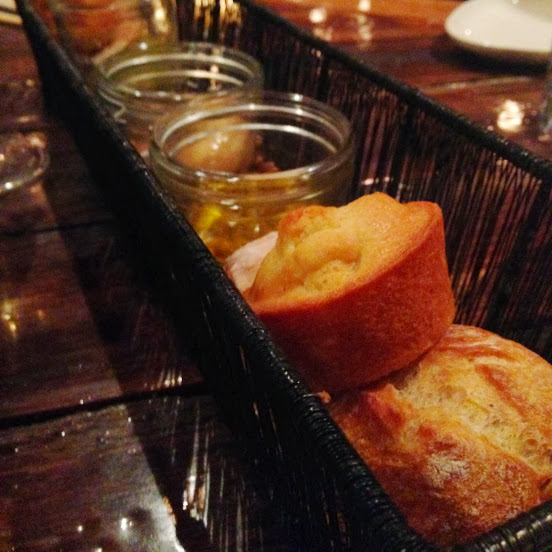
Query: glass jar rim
x=234, y=103
x=141, y=102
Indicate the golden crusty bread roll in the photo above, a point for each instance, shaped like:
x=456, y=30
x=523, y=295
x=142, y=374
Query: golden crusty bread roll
x=461, y=440
x=352, y=293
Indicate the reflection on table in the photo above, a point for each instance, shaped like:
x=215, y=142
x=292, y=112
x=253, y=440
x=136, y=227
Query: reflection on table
x=408, y=42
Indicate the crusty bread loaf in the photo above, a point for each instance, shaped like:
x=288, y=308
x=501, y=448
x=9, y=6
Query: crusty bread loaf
x=462, y=439
x=352, y=293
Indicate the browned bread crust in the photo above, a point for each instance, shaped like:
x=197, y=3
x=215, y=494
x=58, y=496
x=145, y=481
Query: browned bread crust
x=355, y=292
x=462, y=439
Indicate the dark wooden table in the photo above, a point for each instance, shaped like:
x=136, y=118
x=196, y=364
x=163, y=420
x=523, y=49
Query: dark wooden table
x=406, y=40
x=108, y=439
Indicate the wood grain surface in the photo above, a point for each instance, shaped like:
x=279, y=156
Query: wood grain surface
x=406, y=39
x=106, y=439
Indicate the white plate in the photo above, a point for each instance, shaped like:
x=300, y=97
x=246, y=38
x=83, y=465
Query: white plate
x=8, y=5
x=515, y=30
x=8, y=13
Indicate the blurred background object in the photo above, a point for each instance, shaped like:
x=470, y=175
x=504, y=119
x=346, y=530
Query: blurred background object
x=546, y=113
x=24, y=154
x=90, y=30
x=8, y=13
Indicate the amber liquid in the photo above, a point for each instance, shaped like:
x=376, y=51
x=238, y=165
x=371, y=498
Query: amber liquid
x=248, y=208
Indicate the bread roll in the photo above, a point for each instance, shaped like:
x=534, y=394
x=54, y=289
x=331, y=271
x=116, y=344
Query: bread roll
x=92, y=30
x=352, y=293
x=461, y=440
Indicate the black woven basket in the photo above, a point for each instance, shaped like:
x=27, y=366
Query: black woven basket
x=496, y=204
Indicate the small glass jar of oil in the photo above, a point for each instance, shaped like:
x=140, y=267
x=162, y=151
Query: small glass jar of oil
x=235, y=165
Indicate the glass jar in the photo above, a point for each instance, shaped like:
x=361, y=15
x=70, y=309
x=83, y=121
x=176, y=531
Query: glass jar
x=236, y=165
x=146, y=80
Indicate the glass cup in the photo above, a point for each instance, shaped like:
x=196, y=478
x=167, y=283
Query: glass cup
x=235, y=165
x=24, y=154
x=145, y=81
x=23, y=159
x=90, y=30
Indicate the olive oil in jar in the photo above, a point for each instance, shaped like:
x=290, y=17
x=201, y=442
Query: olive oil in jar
x=235, y=165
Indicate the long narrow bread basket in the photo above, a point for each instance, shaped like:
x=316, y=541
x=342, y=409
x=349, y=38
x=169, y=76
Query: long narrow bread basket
x=495, y=199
